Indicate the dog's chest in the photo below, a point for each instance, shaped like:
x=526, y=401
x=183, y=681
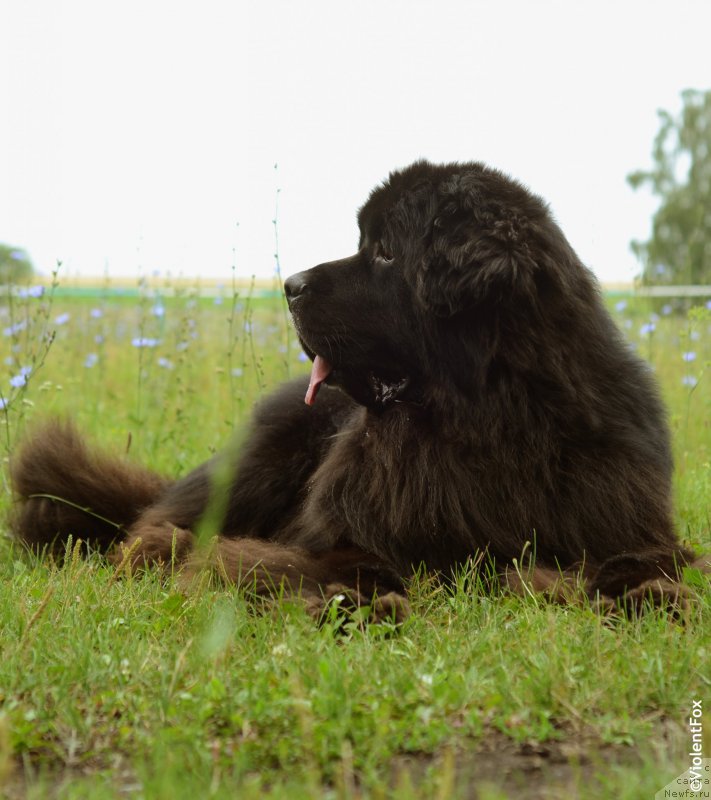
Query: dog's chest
x=396, y=490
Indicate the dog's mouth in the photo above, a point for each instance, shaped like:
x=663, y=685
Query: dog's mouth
x=370, y=388
x=373, y=378
x=320, y=370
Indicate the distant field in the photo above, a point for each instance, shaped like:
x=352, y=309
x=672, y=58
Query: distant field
x=126, y=688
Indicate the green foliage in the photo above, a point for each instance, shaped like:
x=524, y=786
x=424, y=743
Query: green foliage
x=130, y=687
x=15, y=265
x=679, y=250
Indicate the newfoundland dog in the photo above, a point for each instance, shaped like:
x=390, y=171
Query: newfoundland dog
x=470, y=399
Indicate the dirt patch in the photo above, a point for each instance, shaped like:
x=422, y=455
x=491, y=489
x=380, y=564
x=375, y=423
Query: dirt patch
x=554, y=770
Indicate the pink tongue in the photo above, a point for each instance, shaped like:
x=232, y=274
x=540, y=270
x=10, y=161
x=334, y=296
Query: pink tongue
x=320, y=370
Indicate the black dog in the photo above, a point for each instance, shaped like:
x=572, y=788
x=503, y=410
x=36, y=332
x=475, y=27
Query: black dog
x=486, y=401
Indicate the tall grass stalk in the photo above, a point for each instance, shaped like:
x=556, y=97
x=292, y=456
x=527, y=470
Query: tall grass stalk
x=280, y=280
x=28, y=351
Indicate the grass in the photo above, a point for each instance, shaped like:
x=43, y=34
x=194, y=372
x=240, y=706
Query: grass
x=128, y=688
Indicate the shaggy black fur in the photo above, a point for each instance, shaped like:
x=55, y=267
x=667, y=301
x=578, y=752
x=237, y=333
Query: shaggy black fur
x=487, y=400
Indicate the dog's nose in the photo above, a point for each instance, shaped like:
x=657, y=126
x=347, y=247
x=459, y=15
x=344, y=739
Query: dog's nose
x=295, y=285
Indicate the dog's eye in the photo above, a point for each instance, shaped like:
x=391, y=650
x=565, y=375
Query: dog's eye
x=383, y=253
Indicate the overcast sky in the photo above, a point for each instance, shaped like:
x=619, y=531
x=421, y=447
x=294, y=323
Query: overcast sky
x=143, y=135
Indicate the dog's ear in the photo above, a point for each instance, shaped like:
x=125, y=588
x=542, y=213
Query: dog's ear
x=477, y=248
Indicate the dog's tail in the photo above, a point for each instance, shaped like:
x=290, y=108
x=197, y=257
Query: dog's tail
x=62, y=488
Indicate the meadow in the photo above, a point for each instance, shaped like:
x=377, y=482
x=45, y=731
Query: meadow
x=124, y=686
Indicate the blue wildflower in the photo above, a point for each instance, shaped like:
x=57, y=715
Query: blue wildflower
x=16, y=328
x=165, y=363
x=62, y=319
x=621, y=306
x=91, y=360
x=21, y=379
x=689, y=356
x=302, y=356
x=144, y=341
x=96, y=313
x=158, y=310
x=689, y=380
x=31, y=291
x=667, y=309
x=647, y=328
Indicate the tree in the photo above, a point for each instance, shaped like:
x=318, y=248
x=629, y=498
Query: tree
x=15, y=265
x=679, y=250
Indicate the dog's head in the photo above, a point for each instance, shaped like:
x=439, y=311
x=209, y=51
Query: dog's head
x=444, y=250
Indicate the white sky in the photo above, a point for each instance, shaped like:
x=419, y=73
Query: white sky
x=139, y=134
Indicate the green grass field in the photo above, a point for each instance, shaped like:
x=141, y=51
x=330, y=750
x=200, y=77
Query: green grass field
x=114, y=688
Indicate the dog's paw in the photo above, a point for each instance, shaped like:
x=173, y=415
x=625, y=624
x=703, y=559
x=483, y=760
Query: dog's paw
x=338, y=602
x=671, y=597
x=391, y=607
